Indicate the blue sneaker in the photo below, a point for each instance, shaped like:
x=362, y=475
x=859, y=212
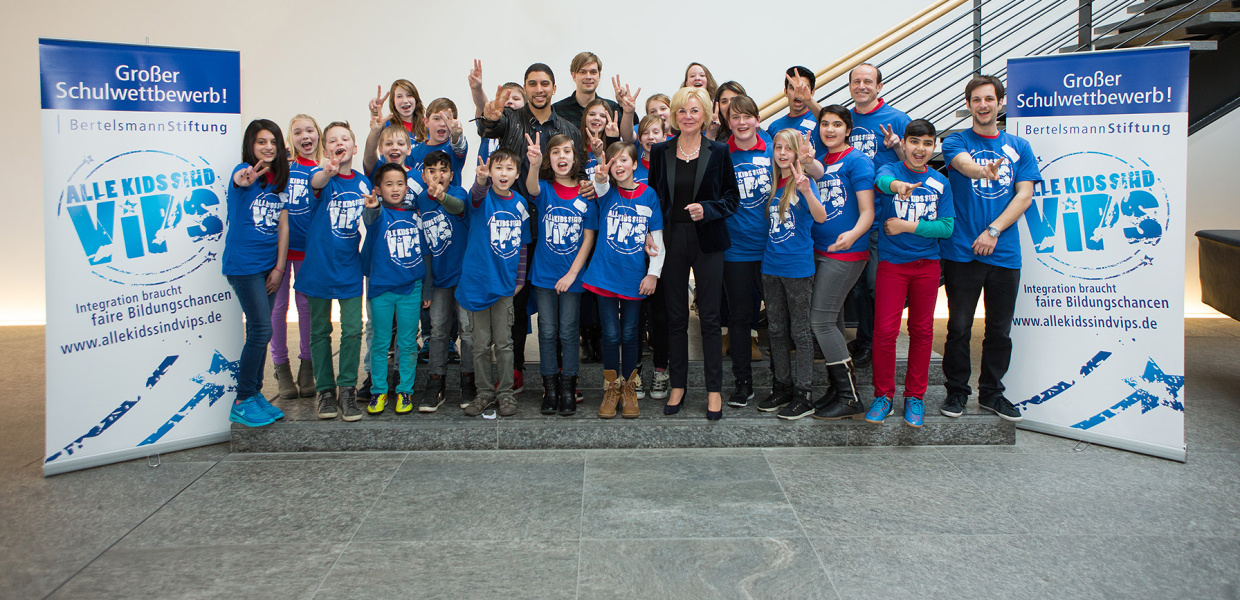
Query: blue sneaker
x=914, y=412
x=270, y=408
x=879, y=410
x=250, y=414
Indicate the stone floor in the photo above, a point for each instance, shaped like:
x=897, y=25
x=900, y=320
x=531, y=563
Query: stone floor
x=1035, y=520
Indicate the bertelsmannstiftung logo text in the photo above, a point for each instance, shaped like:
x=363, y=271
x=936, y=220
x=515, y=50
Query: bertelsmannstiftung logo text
x=1097, y=216
x=144, y=217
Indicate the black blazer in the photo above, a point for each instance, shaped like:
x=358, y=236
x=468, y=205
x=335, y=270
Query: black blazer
x=714, y=188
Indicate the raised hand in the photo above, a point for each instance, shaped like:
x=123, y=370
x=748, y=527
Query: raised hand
x=475, y=76
x=247, y=176
x=494, y=110
x=800, y=89
x=904, y=190
x=804, y=184
x=991, y=171
x=612, y=129
x=603, y=168
x=596, y=144
x=456, y=129
x=371, y=200
x=890, y=138
x=806, y=151
x=628, y=101
x=376, y=122
x=376, y=103
x=331, y=164
x=482, y=173
x=533, y=150
x=435, y=189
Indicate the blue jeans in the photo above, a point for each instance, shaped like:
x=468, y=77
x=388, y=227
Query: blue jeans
x=404, y=311
x=559, y=317
x=619, y=320
x=251, y=291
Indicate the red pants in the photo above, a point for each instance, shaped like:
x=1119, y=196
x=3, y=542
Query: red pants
x=918, y=282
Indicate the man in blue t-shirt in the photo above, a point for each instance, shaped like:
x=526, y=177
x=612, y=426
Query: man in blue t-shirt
x=877, y=130
x=992, y=174
x=802, y=109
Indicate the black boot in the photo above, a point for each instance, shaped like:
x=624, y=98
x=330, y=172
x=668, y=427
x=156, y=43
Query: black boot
x=436, y=393
x=781, y=394
x=551, y=398
x=468, y=390
x=567, y=393
x=743, y=394
x=363, y=391
x=845, y=405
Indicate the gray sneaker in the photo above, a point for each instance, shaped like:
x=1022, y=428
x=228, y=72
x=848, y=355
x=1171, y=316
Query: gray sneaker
x=349, y=410
x=661, y=385
x=479, y=404
x=507, y=406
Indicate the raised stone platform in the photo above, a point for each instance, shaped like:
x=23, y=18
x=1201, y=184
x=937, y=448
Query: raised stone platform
x=449, y=429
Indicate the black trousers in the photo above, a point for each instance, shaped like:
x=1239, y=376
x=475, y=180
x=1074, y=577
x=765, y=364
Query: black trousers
x=740, y=279
x=521, y=318
x=683, y=255
x=998, y=286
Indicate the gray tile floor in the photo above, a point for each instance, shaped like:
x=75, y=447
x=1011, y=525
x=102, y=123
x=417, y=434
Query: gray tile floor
x=1036, y=520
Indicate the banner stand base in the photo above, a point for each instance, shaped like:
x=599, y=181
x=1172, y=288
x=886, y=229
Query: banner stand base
x=1111, y=441
x=97, y=460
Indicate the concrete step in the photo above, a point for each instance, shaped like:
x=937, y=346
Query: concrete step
x=449, y=429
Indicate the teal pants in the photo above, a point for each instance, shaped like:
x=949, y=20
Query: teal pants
x=406, y=311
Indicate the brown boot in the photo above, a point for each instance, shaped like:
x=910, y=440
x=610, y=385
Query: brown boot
x=628, y=397
x=611, y=395
x=727, y=347
x=305, y=379
x=284, y=381
x=755, y=352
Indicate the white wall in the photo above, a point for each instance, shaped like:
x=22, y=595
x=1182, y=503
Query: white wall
x=325, y=59
x=1213, y=199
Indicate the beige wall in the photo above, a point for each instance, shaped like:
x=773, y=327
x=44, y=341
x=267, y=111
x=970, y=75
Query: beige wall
x=325, y=58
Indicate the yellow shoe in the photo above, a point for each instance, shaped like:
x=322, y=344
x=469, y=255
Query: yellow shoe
x=377, y=404
x=404, y=403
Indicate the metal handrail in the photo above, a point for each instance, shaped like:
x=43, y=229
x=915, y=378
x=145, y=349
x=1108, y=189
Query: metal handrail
x=889, y=38
x=1158, y=22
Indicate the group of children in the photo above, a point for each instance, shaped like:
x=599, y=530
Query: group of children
x=802, y=232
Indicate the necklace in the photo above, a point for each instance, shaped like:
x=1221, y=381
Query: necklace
x=686, y=155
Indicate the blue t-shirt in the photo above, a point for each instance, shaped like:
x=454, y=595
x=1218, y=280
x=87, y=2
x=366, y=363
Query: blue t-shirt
x=498, y=227
x=333, y=266
x=790, y=240
x=641, y=172
x=413, y=182
x=297, y=198
x=488, y=146
x=392, y=252
x=619, y=261
x=931, y=202
x=803, y=124
x=980, y=201
x=838, y=187
x=747, y=226
x=417, y=156
x=565, y=216
x=444, y=235
x=867, y=135
x=253, y=237
x=590, y=166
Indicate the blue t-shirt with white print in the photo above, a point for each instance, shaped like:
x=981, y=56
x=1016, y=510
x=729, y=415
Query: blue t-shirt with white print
x=619, y=261
x=867, y=132
x=789, y=240
x=747, y=226
x=253, y=237
x=565, y=217
x=333, y=266
x=980, y=201
x=803, y=124
x=392, y=253
x=931, y=202
x=498, y=227
x=641, y=171
x=445, y=236
x=838, y=187
x=417, y=156
x=297, y=199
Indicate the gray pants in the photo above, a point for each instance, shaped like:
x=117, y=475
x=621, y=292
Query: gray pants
x=486, y=327
x=787, y=312
x=443, y=309
x=833, y=280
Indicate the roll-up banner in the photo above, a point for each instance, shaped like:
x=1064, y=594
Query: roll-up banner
x=1098, y=335
x=143, y=331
